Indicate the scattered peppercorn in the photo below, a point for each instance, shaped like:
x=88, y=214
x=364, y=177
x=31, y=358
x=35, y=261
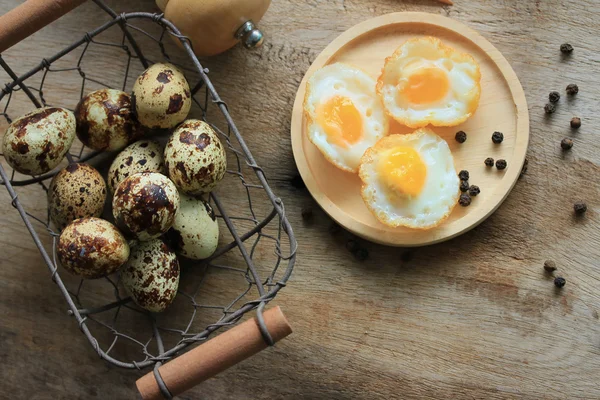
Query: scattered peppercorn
x=297, y=182
x=501, y=164
x=572, y=89
x=361, y=254
x=464, y=200
x=461, y=136
x=489, y=162
x=566, y=144
x=554, y=97
x=463, y=175
x=352, y=246
x=559, y=282
x=575, y=122
x=307, y=213
x=549, y=108
x=497, y=137
x=525, y=165
x=474, y=190
x=580, y=208
x=566, y=48
x=464, y=186
x=550, y=266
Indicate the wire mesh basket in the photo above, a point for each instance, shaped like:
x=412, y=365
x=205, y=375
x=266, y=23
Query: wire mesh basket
x=257, y=249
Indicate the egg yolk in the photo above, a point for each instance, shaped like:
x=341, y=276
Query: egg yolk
x=403, y=170
x=427, y=85
x=341, y=121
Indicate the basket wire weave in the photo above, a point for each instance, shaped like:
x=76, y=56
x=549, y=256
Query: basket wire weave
x=268, y=237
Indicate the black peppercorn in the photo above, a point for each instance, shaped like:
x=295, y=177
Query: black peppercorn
x=352, y=246
x=566, y=144
x=497, y=137
x=580, y=208
x=566, y=48
x=575, y=122
x=489, y=162
x=463, y=175
x=559, y=282
x=361, y=254
x=474, y=190
x=554, y=97
x=572, y=89
x=501, y=164
x=464, y=200
x=464, y=186
x=550, y=266
x=549, y=108
x=307, y=213
x=461, y=137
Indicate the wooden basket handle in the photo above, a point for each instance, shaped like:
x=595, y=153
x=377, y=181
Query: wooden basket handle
x=29, y=17
x=214, y=356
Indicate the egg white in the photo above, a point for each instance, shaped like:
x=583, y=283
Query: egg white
x=462, y=72
x=346, y=81
x=440, y=191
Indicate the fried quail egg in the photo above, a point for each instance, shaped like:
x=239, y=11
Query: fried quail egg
x=161, y=97
x=145, y=204
x=426, y=82
x=195, y=157
x=344, y=114
x=92, y=248
x=151, y=276
x=195, y=232
x=37, y=142
x=105, y=120
x=410, y=180
x=77, y=191
x=141, y=156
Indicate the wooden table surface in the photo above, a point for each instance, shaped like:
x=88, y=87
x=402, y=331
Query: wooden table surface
x=475, y=317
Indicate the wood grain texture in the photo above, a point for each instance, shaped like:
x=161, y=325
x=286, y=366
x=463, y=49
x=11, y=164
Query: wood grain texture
x=502, y=107
x=474, y=317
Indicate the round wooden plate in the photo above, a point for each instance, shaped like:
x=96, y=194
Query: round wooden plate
x=502, y=108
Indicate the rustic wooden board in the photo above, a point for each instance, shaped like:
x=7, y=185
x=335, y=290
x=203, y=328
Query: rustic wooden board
x=475, y=317
x=502, y=108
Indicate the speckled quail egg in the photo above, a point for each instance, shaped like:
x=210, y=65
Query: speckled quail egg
x=37, y=142
x=161, y=97
x=151, y=276
x=195, y=232
x=77, y=191
x=195, y=157
x=92, y=248
x=141, y=156
x=105, y=120
x=145, y=204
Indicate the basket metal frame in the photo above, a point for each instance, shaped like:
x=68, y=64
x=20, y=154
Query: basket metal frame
x=278, y=209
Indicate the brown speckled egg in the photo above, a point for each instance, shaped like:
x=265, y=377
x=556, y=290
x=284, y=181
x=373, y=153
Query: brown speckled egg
x=195, y=157
x=141, y=156
x=145, y=204
x=77, y=191
x=151, y=276
x=92, y=248
x=195, y=232
x=37, y=142
x=105, y=120
x=161, y=97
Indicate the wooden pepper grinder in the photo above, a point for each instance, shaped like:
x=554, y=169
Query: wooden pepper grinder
x=216, y=25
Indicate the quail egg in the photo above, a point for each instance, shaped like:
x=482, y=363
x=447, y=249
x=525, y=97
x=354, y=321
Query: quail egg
x=105, y=120
x=37, y=142
x=141, y=156
x=195, y=157
x=195, y=232
x=77, y=191
x=92, y=248
x=145, y=204
x=161, y=97
x=151, y=276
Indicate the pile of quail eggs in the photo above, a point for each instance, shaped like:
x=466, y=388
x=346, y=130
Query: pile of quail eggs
x=158, y=195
